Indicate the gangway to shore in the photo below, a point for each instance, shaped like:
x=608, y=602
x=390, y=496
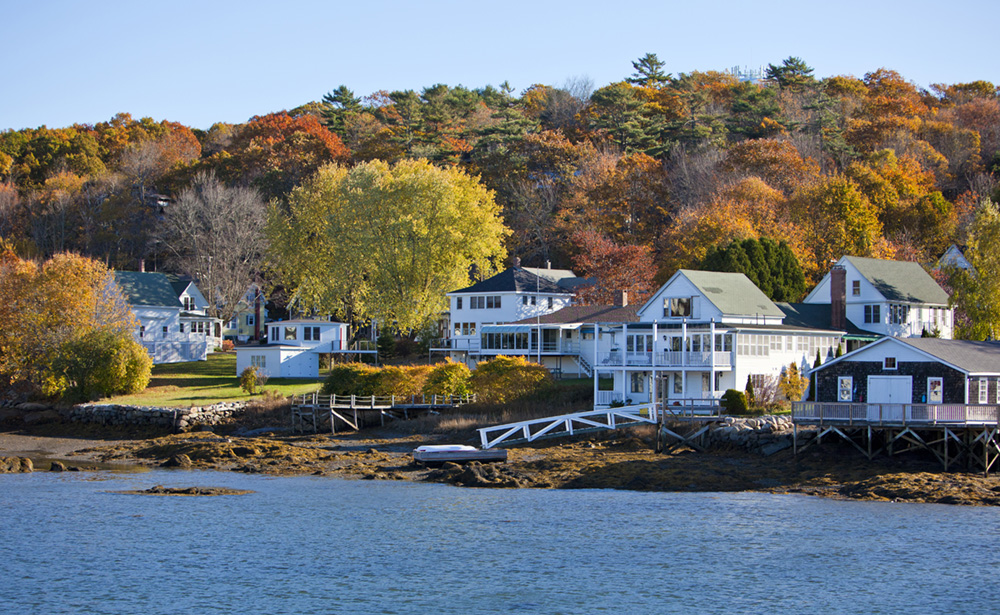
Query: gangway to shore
x=696, y=412
x=568, y=424
x=350, y=409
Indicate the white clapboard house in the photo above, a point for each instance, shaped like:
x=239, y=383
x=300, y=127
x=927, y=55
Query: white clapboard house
x=887, y=298
x=512, y=295
x=168, y=327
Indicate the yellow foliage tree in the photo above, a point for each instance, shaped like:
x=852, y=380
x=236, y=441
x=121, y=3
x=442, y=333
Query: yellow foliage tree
x=385, y=242
x=62, y=314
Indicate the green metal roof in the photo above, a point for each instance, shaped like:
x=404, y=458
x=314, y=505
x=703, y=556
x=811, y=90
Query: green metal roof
x=732, y=293
x=900, y=280
x=153, y=289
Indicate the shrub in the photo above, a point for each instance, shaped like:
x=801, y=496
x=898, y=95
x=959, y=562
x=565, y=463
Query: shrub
x=751, y=397
x=448, y=378
x=101, y=363
x=792, y=383
x=228, y=345
x=505, y=378
x=405, y=347
x=734, y=402
x=393, y=380
x=345, y=379
x=386, y=344
x=252, y=380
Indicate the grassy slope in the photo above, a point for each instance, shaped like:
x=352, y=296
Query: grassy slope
x=201, y=383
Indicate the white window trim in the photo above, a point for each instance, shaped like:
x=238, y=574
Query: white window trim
x=930, y=398
x=885, y=363
x=849, y=388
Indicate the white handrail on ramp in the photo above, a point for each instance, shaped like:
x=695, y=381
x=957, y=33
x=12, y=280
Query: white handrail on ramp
x=550, y=426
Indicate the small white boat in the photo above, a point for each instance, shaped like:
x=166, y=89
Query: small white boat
x=456, y=453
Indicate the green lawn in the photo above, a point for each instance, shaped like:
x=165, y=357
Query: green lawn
x=201, y=383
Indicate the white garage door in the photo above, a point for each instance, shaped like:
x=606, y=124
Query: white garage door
x=891, y=393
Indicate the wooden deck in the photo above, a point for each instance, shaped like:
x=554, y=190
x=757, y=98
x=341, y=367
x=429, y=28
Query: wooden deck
x=956, y=434
x=355, y=411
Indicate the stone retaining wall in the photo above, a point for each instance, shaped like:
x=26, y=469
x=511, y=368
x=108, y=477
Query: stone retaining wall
x=764, y=435
x=146, y=416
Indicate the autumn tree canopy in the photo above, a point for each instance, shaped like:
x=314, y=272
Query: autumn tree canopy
x=385, y=241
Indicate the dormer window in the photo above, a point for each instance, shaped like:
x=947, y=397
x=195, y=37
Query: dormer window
x=856, y=288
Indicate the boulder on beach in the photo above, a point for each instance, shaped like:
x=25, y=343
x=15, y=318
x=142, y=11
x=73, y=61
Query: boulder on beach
x=15, y=465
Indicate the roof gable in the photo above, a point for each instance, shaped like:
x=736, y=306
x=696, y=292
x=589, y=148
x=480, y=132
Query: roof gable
x=151, y=289
x=731, y=293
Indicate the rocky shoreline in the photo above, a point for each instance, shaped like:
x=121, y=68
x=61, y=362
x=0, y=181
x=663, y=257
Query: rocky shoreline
x=746, y=454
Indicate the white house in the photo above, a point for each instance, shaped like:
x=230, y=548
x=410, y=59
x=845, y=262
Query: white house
x=194, y=317
x=889, y=298
x=293, y=348
x=162, y=331
x=701, y=333
x=512, y=295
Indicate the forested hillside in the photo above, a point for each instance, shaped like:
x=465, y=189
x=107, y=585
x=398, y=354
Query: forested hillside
x=658, y=169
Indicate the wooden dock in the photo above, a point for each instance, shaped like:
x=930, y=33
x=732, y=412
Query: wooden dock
x=958, y=435
x=357, y=411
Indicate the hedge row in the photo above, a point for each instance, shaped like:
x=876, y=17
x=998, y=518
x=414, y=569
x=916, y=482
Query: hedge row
x=498, y=380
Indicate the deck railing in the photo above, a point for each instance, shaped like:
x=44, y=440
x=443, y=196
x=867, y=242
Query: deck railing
x=617, y=358
x=894, y=414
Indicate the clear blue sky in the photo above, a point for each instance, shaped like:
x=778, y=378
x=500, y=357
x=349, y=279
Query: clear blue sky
x=202, y=62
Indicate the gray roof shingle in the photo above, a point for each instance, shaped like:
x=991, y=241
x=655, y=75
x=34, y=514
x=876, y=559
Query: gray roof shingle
x=732, y=293
x=900, y=280
x=969, y=356
x=515, y=279
x=152, y=289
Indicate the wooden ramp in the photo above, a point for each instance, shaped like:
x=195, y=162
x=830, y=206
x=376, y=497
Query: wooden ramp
x=568, y=424
x=357, y=411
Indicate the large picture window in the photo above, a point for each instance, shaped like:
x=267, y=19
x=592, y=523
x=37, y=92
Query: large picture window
x=677, y=307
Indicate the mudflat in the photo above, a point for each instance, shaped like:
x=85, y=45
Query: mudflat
x=613, y=460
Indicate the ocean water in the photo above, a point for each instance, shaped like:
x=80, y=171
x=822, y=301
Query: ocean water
x=322, y=545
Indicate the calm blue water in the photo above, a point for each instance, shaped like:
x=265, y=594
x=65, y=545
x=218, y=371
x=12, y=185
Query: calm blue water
x=320, y=545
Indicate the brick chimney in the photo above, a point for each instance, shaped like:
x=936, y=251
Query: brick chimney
x=142, y=265
x=621, y=299
x=838, y=297
x=517, y=262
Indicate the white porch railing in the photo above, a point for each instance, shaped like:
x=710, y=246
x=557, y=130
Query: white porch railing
x=617, y=358
x=606, y=398
x=894, y=414
x=457, y=344
x=567, y=424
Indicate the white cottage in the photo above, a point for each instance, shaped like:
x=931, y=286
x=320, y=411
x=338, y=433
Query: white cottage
x=293, y=348
x=158, y=309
